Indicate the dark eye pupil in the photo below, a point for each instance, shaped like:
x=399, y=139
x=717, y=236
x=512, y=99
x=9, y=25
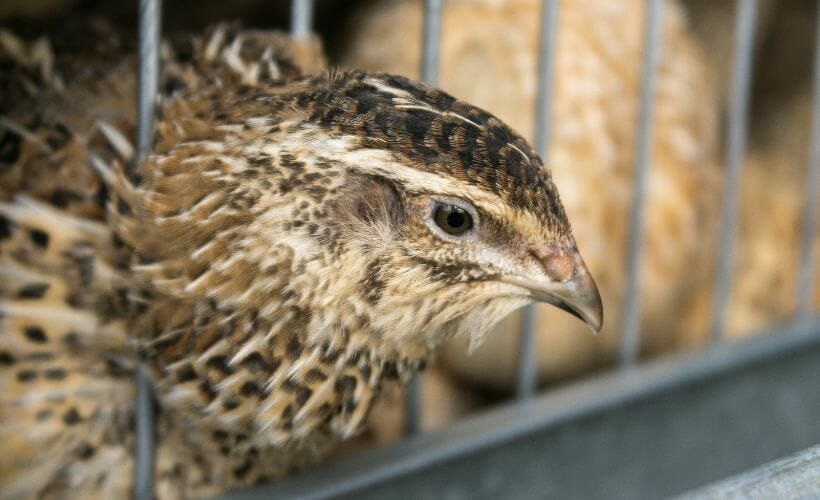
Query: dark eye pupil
x=456, y=219
x=452, y=219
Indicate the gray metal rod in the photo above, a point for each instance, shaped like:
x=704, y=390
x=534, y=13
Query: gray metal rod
x=148, y=80
x=527, y=377
x=149, y=28
x=431, y=41
x=805, y=273
x=144, y=442
x=527, y=356
x=301, y=18
x=630, y=324
x=412, y=407
x=737, y=130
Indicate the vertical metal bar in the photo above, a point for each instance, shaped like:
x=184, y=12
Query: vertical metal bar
x=149, y=27
x=527, y=357
x=301, y=18
x=806, y=269
x=737, y=129
x=144, y=443
x=412, y=411
x=149, y=22
x=630, y=326
x=431, y=41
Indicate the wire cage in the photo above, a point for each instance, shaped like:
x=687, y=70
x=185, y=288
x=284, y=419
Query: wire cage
x=657, y=418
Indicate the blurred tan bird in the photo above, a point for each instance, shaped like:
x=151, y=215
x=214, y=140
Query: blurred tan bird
x=291, y=245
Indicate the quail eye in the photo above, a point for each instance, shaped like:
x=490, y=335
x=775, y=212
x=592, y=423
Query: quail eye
x=452, y=219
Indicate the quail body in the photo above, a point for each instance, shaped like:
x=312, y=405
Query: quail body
x=292, y=244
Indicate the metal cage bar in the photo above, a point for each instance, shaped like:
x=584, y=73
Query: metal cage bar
x=144, y=442
x=431, y=41
x=301, y=18
x=630, y=325
x=148, y=78
x=737, y=130
x=527, y=378
x=806, y=269
x=148, y=81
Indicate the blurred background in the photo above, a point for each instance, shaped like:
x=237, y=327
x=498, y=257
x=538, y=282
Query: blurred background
x=489, y=57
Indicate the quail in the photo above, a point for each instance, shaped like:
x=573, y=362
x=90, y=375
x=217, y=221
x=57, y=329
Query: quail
x=292, y=244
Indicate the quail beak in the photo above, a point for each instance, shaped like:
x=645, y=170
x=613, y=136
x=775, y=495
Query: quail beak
x=569, y=286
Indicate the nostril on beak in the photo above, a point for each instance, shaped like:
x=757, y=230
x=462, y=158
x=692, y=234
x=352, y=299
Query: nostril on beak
x=557, y=264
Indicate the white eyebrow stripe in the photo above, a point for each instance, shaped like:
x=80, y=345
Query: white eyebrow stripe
x=347, y=150
x=381, y=163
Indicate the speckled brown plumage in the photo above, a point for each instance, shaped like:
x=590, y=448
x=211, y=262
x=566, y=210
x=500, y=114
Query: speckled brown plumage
x=275, y=258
